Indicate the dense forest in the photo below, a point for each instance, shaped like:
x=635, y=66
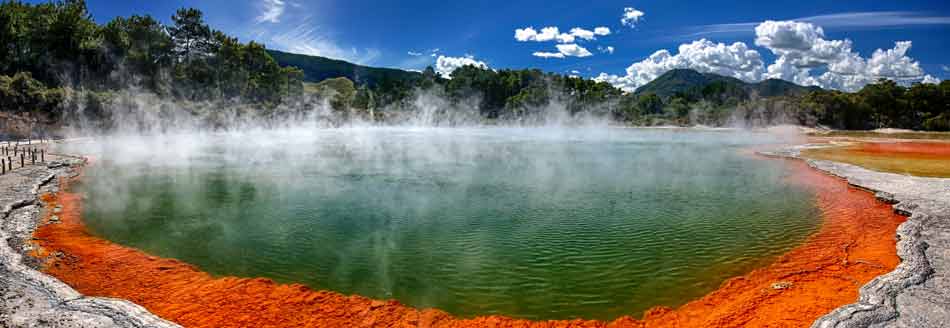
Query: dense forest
x=58, y=45
x=54, y=58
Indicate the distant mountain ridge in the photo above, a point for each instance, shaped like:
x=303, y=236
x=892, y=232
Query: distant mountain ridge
x=694, y=84
x=685, y=82
x=316, y=69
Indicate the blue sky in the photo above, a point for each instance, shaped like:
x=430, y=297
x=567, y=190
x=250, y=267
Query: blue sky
x=812, y=42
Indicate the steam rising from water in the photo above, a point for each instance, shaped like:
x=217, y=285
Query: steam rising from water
x=133, y=112
x=536, y=222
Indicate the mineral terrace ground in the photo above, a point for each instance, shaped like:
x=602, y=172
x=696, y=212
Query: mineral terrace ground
x=854, y=245
x=917, y=293
x=926, y=159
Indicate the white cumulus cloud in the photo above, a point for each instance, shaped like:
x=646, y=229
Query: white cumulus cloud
x=801, y=50
x=787, y=35
x=543, y=54
x=564, y=51
x=735, y=60
x=631, y=16
x=565, y=38
x=606, y=50
x=526, y=34
x=546, y=34
x=803, y=56
x=553, y=33
x=573, y=50
x=582, y=33
x=567, y=46
x=445, y=65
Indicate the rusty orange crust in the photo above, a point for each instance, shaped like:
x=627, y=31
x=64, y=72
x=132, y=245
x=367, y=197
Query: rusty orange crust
x=855, y=243
x=935, y=150
x=928, y=159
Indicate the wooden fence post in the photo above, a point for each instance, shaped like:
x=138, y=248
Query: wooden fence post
x=3, y=164
x=22, y=159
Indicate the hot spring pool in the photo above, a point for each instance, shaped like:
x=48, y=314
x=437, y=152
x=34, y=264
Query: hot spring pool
x=532, y=223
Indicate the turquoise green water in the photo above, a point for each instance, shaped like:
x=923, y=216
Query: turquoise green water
x=531, y=223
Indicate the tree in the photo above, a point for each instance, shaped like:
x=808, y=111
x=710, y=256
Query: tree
x=14, y=35
x=193, y=38
x=923, y=101
x=59, y=44
x=72, y=30
x=650, y=103
x=23, y=93
x=883, y=98
x=143, y=46
x=678, y=107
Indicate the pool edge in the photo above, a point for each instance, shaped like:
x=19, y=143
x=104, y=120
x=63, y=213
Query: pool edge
x=877, y=298
x=35, y=297
x=909, y=295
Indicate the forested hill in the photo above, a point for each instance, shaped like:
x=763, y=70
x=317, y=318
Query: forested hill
x=693, y=84
x=712, y=99
x=316, y=69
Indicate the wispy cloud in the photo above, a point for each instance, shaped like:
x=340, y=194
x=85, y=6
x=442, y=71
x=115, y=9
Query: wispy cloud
x=415, y=62
x=271, y=10
x=841, y=21
x=305, y=37
x=418, y=60
x=877, y=19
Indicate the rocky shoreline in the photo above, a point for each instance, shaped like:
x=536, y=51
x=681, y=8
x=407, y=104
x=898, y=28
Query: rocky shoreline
x=917, y=292
x=29, y=298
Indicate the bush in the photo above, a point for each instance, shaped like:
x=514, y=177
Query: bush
x=938, y=123
x=22, y=93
